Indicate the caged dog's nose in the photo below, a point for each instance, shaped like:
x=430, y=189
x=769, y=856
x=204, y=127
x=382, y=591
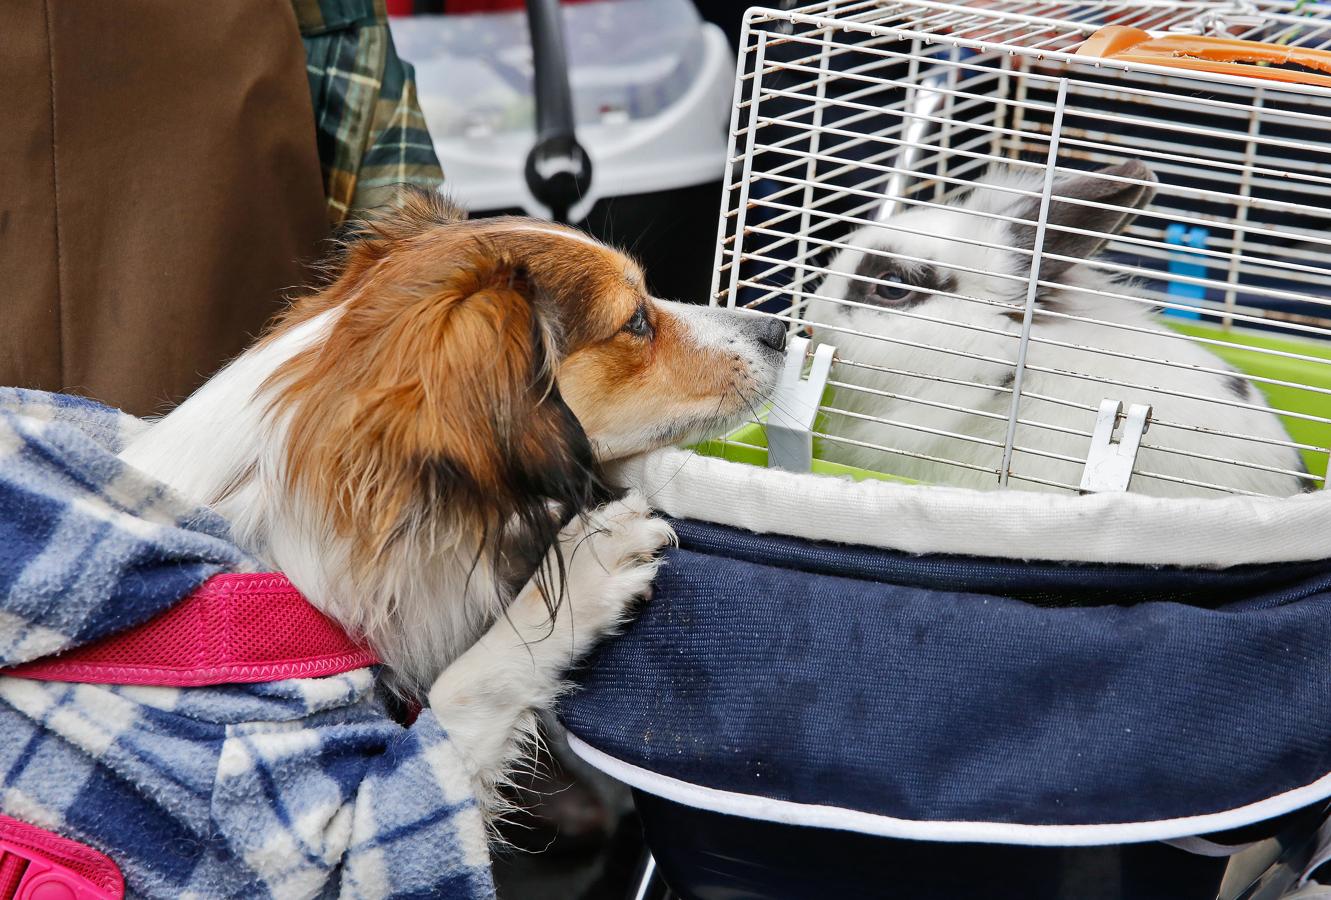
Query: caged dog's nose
x=772, y=333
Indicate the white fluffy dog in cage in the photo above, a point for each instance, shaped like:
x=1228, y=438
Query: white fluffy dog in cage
x=939, y=293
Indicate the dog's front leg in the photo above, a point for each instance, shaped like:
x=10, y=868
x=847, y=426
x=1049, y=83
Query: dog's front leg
x=486, y=700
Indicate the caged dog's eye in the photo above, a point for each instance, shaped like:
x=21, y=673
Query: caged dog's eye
x=890, y=293
x=638, y=326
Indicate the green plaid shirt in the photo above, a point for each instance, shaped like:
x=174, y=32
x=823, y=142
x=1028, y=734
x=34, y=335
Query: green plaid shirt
x=372, y=136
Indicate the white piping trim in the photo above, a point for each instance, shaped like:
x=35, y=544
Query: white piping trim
x=790, y=813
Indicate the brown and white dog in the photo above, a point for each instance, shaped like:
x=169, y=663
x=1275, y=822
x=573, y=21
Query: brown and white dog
x=449, y=398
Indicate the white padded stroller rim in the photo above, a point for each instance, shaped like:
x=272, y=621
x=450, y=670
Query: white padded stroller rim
x=1103, y=528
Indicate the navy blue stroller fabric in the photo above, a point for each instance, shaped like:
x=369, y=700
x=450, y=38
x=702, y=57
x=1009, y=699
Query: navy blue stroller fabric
x=956, y=689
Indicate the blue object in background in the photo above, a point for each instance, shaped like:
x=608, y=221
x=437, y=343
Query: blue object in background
x=1189, y=264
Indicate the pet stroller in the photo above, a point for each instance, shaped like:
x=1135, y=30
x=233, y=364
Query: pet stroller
x=1111, y=676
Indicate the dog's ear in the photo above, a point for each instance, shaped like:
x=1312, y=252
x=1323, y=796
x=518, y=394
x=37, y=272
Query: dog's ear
x=1067, y=209
x=412, y=212
x=362, y=243
x=436, y=402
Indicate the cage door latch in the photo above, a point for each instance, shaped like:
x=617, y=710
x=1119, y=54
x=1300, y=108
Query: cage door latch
x=795, y=406
x=1109, y=464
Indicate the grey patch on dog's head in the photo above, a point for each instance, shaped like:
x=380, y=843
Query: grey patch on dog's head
x=1239, y=387
x=915, y=282
x=1307, y=485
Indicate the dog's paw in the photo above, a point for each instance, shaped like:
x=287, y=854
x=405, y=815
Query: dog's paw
x=611, y=554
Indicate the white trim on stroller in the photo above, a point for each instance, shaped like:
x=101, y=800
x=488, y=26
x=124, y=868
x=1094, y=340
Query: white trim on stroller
x=1097, y=528
x=791, y=813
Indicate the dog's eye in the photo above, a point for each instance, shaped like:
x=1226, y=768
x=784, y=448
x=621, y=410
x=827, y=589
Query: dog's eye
x=892, y=294
x=638, y=325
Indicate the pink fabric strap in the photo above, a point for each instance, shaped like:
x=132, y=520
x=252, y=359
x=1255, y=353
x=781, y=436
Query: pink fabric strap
x=36, y=864
x=234, y=629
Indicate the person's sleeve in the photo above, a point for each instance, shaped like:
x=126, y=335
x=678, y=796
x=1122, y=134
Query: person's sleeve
x=371, y=133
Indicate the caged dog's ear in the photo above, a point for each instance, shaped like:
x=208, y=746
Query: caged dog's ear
x=433, y=405
x=1127, y=196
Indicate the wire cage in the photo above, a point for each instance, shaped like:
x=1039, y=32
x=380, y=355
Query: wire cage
x=1055, y=245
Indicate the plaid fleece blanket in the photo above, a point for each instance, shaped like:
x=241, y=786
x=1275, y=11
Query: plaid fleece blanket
x=299, y=788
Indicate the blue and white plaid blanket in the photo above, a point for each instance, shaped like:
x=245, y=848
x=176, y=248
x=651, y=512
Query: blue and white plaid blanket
x=299, y=788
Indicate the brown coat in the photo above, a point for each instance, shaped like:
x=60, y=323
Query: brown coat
x=159, y=190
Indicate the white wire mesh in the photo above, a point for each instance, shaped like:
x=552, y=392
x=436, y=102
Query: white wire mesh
x=978, y=330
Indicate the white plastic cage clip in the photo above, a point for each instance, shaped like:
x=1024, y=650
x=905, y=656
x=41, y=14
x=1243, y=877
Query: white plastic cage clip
x=1109, y=462
x=795, y=406
x=1220, y=21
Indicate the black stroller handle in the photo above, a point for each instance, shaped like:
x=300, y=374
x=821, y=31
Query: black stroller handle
x=558, y=170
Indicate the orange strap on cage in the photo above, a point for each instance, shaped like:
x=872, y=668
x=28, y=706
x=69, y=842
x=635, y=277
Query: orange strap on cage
x=1223, y=56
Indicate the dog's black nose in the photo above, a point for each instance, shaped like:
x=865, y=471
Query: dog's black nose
x=772, y=333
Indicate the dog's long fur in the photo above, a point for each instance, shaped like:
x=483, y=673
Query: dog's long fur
x=447, y=399
x=955, y=279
